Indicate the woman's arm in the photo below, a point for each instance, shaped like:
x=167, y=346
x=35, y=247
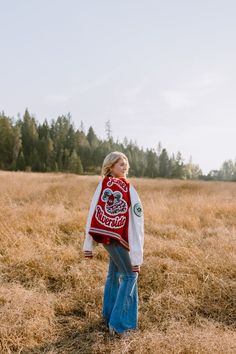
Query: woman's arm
x=136, y=230
x=89, y=242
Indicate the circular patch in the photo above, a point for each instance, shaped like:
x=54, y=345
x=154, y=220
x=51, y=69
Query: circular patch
x=137, y=209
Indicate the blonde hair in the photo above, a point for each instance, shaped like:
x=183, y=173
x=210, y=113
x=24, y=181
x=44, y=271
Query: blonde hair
x=111, y=159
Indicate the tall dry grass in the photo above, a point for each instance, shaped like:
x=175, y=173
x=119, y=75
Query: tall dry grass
x=51, y=297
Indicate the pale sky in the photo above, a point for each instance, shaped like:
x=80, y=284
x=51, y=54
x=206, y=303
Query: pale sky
x=159, y=70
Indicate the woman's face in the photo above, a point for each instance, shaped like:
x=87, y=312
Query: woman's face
x=120, y=168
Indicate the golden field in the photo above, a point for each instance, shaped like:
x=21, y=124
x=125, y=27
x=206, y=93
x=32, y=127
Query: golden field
x=51, y=296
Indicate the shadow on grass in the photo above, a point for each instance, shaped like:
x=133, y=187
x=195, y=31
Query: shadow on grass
x=73, y=339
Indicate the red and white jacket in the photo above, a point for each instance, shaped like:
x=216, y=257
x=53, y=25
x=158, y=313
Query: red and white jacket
x=116, y=212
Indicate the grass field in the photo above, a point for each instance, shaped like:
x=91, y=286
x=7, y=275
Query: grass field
x=51, y=296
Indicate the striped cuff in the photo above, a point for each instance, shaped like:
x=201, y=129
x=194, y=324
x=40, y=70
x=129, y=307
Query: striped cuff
x=88, y=254
x=136, y=268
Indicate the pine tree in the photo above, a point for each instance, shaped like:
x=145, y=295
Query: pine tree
x=164, y=164
x=20, y=162
x=152, y=164
x=92, y=138
x=17, y=146
x=6, y=142
x=29, y=139
x=75, y=165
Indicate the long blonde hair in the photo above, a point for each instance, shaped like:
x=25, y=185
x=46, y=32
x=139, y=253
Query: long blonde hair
x=111, y=159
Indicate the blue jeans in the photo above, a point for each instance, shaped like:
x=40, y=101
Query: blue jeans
x=120, y=302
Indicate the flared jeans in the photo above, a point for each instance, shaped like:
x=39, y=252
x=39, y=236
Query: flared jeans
x=120, y=302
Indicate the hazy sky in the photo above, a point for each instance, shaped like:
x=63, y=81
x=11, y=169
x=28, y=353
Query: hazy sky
x=159, y=70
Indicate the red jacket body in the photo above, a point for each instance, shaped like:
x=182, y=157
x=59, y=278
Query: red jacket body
x=111, y=215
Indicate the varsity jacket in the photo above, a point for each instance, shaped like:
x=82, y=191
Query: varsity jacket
x=133, y=239
x=111, y=215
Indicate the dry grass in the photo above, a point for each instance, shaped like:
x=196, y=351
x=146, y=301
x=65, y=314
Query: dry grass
x=51, y=297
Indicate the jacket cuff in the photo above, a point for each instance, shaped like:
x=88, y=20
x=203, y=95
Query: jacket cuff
x=136, y=268
x=88, y=254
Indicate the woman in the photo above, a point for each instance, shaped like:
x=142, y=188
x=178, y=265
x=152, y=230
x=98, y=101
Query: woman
x=116, y=220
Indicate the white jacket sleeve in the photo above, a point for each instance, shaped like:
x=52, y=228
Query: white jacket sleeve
x=136, y=230
x=89, y=242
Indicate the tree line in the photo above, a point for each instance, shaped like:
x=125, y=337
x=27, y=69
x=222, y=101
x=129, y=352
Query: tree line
x=27, y=145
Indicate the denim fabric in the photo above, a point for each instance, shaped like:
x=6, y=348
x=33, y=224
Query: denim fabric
x=120, y=302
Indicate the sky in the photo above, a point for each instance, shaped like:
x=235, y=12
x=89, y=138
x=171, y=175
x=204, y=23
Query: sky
x=160, y=71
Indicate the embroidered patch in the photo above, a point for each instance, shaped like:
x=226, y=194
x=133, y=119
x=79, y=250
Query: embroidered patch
x=114, y=203
x=137, y=209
